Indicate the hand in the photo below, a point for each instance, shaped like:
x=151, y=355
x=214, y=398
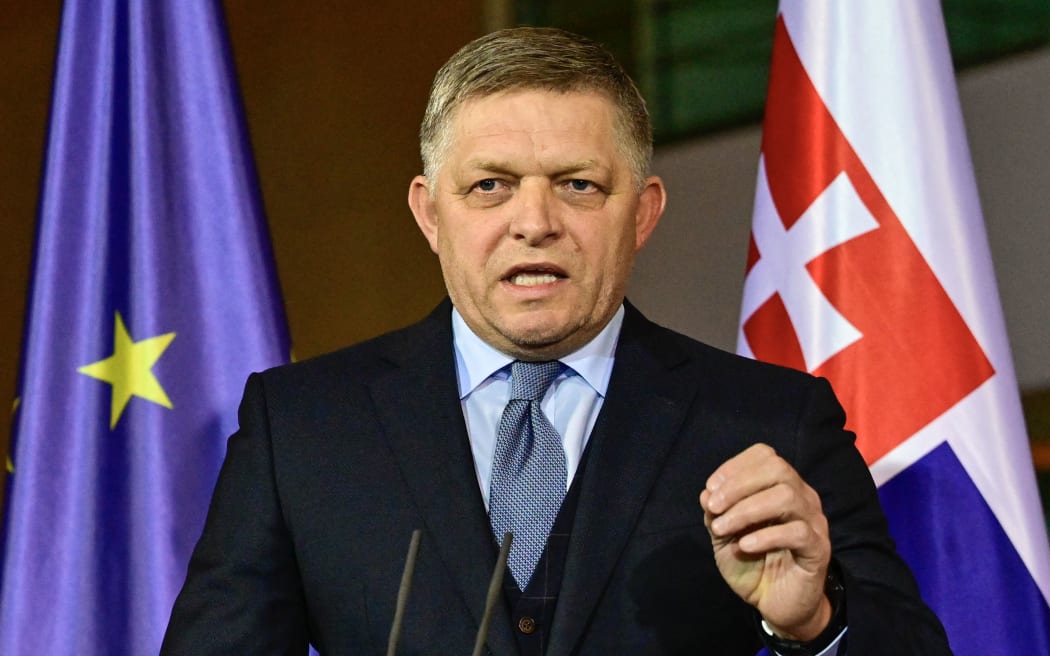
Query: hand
x=770, y=539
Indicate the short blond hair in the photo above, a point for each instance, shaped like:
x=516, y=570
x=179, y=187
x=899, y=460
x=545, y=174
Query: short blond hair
x=535, y=58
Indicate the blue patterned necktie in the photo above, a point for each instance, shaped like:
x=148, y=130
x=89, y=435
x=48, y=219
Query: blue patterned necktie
x=528, y=469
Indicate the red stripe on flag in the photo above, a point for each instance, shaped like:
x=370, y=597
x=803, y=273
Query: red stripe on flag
x=879, y=281
x=771, y=318
x=752, y=253
x=802, y=145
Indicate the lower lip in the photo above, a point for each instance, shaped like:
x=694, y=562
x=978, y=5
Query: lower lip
x=533, y=290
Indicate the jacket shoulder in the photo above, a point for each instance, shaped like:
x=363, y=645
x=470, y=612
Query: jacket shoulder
x=370, y=358
x=676, y=349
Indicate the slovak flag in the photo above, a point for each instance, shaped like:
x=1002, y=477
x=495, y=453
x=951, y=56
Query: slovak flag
x=869, y=265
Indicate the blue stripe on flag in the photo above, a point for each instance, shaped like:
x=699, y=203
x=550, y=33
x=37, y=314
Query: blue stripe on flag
x=953, y=542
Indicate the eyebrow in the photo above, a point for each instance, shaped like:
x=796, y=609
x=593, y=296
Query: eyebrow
x=505, y=168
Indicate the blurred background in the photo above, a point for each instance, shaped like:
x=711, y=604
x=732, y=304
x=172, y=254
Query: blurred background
x=334, y=92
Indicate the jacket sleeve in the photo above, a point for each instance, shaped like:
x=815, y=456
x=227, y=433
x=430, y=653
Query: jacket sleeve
x=885, y=613
x=242, y=592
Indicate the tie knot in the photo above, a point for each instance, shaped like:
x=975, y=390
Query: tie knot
x=531, y=380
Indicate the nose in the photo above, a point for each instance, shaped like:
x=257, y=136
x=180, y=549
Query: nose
x=534, y=217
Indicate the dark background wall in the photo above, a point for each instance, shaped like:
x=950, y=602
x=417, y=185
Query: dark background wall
x=334, y=94
x=27, y=45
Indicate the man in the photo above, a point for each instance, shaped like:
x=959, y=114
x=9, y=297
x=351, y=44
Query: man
x=538, y=402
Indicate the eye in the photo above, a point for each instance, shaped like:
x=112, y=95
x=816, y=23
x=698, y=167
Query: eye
x=582, y=193
x=488, y=192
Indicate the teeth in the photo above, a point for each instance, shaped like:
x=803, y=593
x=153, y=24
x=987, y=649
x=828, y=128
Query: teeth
x=529, y=279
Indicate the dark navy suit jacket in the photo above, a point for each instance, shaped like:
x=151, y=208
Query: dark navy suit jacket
x=340, y=457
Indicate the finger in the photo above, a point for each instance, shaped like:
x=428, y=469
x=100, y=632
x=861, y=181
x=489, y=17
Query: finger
x=705, y=496
x=755, y=469
x=807, y=543
x=775, y=505
x=709, y=517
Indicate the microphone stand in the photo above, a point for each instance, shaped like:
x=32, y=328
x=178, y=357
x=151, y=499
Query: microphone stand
x=402, y=592
x=495, y=587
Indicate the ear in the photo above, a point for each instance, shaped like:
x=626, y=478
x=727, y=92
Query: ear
x=650, y=208
x=422, y=206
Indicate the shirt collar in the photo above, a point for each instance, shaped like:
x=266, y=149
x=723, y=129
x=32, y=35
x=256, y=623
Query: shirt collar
x=476, y=360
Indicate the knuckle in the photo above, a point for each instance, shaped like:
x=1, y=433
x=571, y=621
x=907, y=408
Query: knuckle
x=764, y=449
x=802, y=531
x=813, y=499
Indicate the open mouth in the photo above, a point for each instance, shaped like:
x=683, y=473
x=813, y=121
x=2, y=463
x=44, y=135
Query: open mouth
x=534, y=275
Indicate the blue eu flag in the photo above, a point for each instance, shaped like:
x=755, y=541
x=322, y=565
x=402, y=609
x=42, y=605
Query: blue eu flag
x=153, y=295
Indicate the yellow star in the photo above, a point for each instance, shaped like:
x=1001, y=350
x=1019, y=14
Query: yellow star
x=129, y=370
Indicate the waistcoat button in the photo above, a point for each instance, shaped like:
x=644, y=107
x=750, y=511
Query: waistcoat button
x=526, y=625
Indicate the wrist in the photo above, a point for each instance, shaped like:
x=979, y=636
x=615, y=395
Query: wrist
x=827, y=630
x=807, y=630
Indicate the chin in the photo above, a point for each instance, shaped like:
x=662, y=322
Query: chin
x=538, y=337
x=543, y=339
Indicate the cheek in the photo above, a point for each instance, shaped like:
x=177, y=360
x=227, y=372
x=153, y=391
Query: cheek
x=617, y=250
x=619, y=260
x=463, y=256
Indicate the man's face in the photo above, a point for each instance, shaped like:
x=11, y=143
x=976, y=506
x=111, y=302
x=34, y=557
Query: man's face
x=536, y=219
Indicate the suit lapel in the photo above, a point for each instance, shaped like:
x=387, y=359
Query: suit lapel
x=418, y=404
x=639, y=421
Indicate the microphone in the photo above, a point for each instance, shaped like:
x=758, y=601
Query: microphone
x=495, y=588
x=402, y=592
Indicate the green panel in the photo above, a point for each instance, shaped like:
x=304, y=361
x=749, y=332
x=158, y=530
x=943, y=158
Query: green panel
x=703, y=64
x=693, y=26
x=702, y=95
x=982, y=30
x=710, y=64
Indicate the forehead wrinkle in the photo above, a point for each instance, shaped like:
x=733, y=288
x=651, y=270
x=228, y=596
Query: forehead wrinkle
x=510, y=133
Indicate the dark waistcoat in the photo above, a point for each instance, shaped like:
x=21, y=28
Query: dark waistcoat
x=532, y=610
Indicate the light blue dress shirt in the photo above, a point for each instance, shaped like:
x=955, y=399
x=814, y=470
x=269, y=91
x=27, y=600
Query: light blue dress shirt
x=572, y=403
